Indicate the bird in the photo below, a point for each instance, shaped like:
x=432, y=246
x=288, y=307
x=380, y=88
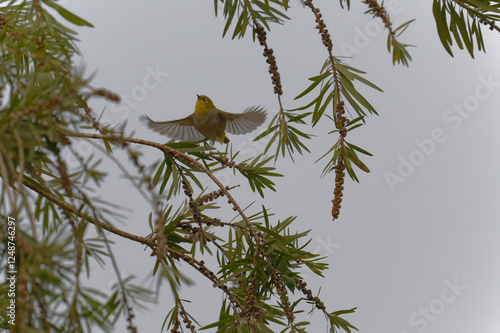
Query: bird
x=209, y=123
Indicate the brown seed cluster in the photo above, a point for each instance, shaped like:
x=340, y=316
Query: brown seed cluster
x=280, y=288
x=491, y=23
x=200, y=266
x=341, y=119
x=231, y=164
x=106, y=94
x=213, y=195
x=193, y=205
x=225, y=161
x=339, y=187
x=271, y=60
x=188, y=227
x=249, y=308
x=185, y=318
x=321, y=26
x=130, y=326
x=379, y=11
x=301, y=285
x=340, y=167
x=63, y=172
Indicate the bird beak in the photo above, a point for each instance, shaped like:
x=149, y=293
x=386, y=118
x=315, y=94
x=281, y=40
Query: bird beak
x=198, y=96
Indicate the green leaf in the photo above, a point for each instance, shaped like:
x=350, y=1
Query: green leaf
x=349, y=169
x=442, y=26
x=354, y=159
x=454, y=30
x=158, y=173
x=316, y=80
x=358, y=149
x=465, y=33
x=229, y=15
x=318, y=110
x=361, y=79
x=67, y=14
x=317, y=115
x=403, y=26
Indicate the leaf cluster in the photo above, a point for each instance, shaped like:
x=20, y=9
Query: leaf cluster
x=461, y=21
x=43, y=98
x=241, y=14
x=334, y=84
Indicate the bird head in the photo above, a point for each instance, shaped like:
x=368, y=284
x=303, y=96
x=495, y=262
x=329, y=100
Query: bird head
x=203, y=105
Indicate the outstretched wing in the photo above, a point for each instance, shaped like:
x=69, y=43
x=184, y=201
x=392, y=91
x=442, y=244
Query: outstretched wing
x=243, y=123
x=181, y=129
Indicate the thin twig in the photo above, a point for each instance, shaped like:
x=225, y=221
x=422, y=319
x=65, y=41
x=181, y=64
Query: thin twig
x=482, y=20
x=128, y=308
x=143, y=240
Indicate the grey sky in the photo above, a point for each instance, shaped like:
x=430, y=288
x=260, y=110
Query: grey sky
x=426, y=240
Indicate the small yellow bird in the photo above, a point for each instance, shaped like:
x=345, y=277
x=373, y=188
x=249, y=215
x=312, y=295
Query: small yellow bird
x=208, y=122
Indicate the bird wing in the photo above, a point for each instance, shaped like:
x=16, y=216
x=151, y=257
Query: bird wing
x=242, y=123
x=180, y=129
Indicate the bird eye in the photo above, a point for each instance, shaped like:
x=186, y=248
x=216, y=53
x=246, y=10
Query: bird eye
x=206, y=100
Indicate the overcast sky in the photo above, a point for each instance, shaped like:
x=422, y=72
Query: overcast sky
x=417, y=242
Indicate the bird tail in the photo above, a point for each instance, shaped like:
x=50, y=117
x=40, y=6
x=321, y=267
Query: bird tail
x=222, y=139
